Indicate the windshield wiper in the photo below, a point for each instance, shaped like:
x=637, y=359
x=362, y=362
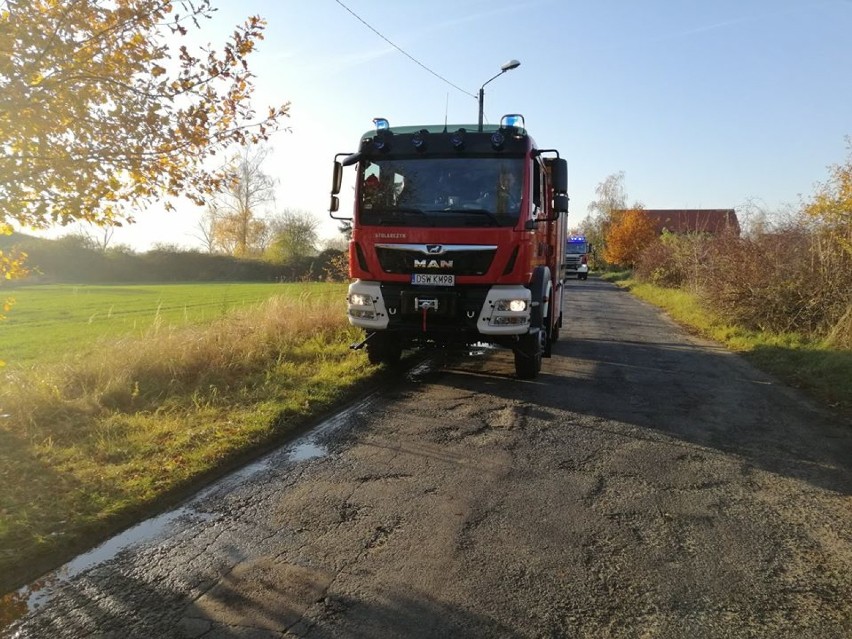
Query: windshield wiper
x=394, y=211
x=397, y=216
x=485, y=212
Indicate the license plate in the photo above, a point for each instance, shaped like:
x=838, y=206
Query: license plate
x=433, y=279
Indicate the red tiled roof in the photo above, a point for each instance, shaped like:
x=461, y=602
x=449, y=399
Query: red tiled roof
x=713, y=221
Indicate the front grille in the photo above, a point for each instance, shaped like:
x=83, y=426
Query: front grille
x=406, y=258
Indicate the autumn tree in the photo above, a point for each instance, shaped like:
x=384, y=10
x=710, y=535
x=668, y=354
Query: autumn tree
x=606, y=210
x=105, y=107
x=236, y=214
x=831, y=205
x=629, y=234
x=830, y=209
x=12, y=266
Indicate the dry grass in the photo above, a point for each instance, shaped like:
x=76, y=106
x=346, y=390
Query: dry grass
x=86, y=443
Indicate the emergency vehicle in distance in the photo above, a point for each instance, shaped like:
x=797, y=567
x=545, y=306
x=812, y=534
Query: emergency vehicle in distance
x=458, y=238
x=577, y=253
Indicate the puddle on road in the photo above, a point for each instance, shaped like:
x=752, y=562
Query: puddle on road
x=308, y=450
x=15, y=605
x=148, y=530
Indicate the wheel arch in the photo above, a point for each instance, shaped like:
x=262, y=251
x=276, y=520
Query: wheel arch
x=541, y=289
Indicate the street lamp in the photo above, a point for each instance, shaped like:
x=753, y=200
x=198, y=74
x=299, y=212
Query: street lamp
x=511, y=64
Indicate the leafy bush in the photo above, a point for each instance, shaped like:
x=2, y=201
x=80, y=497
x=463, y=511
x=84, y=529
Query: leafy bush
x=764, y=283
x=679, y=260
x=791, y=278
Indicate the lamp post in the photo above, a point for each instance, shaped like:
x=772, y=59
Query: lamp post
x=511, y=64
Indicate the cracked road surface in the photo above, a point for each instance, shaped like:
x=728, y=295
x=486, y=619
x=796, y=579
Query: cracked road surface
x=647, y=484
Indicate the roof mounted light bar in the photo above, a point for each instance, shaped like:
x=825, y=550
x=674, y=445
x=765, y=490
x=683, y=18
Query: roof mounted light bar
x=513, y=120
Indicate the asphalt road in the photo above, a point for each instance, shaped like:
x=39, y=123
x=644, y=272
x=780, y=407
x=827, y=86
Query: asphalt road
x=647, y=484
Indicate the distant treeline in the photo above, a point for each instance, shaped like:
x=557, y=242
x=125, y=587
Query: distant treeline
x=69, y=260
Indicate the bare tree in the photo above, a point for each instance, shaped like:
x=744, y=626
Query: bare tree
x=611, y=197
x=206, y=231
x=234, y=222
x=338, y=243
x=97, y=238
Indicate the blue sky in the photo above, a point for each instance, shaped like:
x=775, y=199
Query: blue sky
x=700, y=104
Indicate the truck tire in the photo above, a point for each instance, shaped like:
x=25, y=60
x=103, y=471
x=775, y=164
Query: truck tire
x=528, y=354
x=383, y=349
x=533, y=346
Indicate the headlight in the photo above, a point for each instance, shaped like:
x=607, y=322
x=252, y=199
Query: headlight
x=360, y=299
x=515, y=306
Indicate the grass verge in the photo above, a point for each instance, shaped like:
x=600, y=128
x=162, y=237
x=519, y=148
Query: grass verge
x=820, y=371
x=90, y=444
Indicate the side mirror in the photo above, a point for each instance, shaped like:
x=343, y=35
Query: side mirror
x=337, y=178
x=337, y=182
x=560, y=203
x=559, y=174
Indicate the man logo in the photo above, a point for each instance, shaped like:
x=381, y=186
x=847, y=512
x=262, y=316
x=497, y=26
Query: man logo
x=433, y=264
x=434, y=249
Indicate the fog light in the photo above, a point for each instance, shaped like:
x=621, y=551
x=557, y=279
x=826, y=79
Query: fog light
x=361, y=314
x=509, y=320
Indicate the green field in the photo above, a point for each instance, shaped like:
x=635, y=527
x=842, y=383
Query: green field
x=48, y=322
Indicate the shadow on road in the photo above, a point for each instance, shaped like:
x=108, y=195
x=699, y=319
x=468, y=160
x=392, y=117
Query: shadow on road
x=619, y=360
x=260, y=607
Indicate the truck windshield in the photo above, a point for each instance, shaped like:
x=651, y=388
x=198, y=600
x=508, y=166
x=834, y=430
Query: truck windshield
x=434, y=191
x=579, y=248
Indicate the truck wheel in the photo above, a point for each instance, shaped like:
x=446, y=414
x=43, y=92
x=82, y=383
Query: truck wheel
x=528, y=356
x=383, y=349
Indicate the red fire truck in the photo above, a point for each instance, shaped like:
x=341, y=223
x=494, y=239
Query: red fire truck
x=458, y=238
